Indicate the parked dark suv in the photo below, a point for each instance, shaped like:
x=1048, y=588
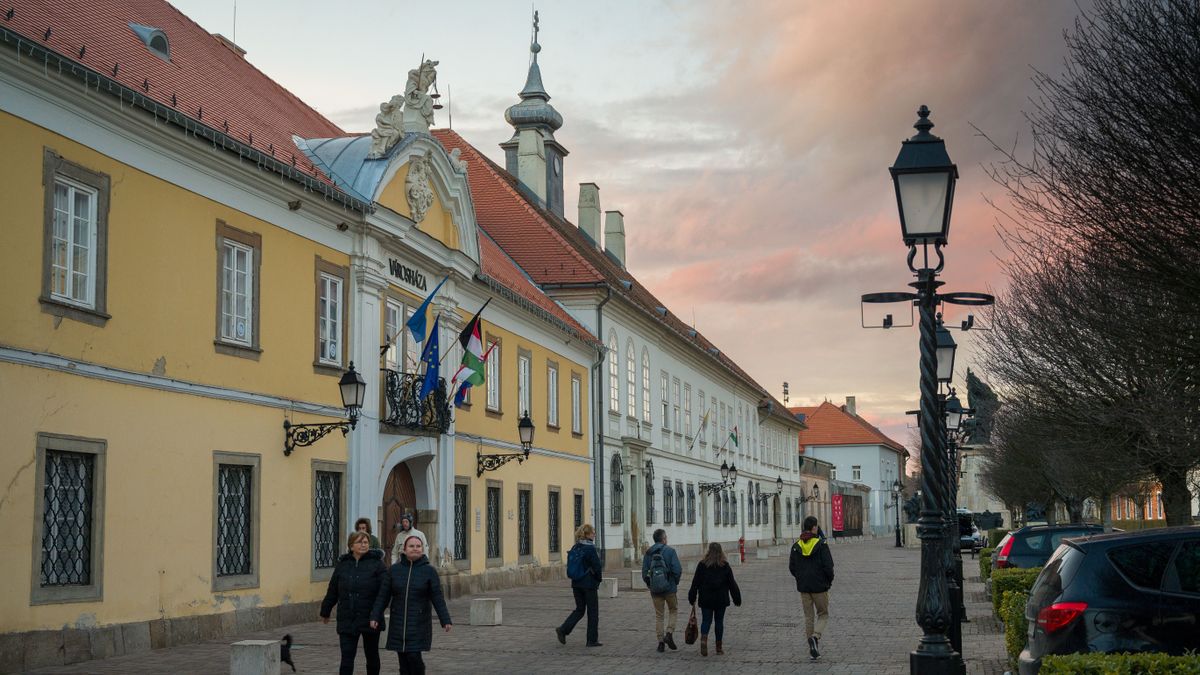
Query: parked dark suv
x=1032, y=545
x=1126, y=592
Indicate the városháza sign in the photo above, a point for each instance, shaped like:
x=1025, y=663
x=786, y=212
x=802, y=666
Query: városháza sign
x=407, y=274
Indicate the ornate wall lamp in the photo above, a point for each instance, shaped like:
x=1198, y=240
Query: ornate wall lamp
x=493, y=462
x=770, y=495
x=728, y=479
x=353, y=389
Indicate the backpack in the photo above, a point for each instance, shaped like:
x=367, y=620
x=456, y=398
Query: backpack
x=659, y=581
x=576, y=570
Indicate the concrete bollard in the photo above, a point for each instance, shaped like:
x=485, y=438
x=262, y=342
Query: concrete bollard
x=734, y=560
x=486, y=612
x=762, y=554
x=608, y=587
x=254, y=657
x=636, y=582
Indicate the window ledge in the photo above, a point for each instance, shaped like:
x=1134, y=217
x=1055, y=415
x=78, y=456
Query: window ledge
x=235, y=582
x=330, y=369
x=494, y=562
x=241, y=351
x=53, y=595
x=59, y=308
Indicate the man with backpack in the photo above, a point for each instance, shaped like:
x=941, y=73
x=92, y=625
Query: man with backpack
x=584, y=568
x=812, y=566
x=661, y=571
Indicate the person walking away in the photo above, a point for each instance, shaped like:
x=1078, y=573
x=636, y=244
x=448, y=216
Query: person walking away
x=661, y=571
x=364, y=525
x=353, y=588
x=412, y=589
x=404, y=529
x=812, y=565
x=713, y=585
x=584, y=569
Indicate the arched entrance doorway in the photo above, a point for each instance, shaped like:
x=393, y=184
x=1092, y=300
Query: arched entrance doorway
x=399, y=498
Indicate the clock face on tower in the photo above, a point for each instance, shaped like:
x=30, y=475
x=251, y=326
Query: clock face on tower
x=557, y=165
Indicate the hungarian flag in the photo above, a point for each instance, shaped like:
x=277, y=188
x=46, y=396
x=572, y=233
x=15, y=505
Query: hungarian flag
x=470, y=373
x=733, y=437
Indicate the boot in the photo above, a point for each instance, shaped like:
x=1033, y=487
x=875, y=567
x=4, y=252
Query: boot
x=703, y=645
x=719, y=650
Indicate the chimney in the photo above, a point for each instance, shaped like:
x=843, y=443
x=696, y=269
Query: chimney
x=614, y=236
x=849, y=407
x=589, y=211
x=531, y=162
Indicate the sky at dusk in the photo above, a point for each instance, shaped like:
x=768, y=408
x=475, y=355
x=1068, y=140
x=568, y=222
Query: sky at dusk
x=746, y=143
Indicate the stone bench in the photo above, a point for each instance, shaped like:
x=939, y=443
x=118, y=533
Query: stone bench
x=762, y=554
x=254, y=657
x=608, y=587
x=486, y=612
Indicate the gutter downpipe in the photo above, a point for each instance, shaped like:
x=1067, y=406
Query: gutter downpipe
x=598, y=427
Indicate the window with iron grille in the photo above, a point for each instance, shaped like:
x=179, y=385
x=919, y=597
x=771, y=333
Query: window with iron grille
x=733, y=510
x=650, y=503
x=725, y=508
x=691, y=504
x=617, y=493
x=668, y=502
x=716, y=509
x=524, y=543
x=67, y=510
x=789, y=512
x=555, y=525
x=679, y=502
x=327, y=517
x=234, y=486
x=460, y=521
x=578, y=509
x=493, y=521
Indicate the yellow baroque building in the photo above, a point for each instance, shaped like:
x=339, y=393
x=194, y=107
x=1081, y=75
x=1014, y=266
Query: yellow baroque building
x=185, y=273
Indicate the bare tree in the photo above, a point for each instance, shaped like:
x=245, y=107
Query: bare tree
x=1102, y=312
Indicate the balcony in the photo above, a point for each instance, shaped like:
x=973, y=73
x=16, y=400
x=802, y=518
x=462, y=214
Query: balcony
x=405, y=409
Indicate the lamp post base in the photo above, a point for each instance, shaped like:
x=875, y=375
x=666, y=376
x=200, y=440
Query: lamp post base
x=923, y=663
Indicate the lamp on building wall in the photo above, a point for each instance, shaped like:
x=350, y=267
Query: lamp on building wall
x=896, y=504
x=493, y=462
x=728, y=479
x=353, y=390
x=770, y=495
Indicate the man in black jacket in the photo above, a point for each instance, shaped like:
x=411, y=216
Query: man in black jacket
x=812, y=565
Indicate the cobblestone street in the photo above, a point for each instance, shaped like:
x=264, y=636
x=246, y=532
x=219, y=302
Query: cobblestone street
x=871, y=629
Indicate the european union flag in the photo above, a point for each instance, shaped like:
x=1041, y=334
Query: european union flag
x=419, y=321
x=432, y=357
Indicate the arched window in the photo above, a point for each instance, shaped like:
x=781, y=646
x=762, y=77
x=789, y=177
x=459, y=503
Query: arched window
x=630, y=381
x=614, y=387
x=617, y=493
x=646, y=386
x=733, y=506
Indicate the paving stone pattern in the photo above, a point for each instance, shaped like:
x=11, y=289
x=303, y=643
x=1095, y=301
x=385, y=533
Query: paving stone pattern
x=871, y=629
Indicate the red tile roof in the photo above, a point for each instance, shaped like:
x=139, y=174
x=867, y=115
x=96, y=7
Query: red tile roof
x=203, y=73
x=829, y=424
x=555, y=252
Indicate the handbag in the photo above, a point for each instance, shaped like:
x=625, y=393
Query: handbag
x=693, y=630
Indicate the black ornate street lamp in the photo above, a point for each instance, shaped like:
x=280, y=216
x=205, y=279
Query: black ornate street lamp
x=353, y=390
x=493, y=462
x=896, y=504
x=924, y=179
x=728, y=479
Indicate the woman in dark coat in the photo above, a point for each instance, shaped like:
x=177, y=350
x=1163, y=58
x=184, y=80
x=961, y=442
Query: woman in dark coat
x=713, y=584
x=354, y=587
x=412, y=588
x=583, y=558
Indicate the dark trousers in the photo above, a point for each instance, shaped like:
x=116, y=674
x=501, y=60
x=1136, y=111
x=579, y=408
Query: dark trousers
x=370, y=640
x=411, y=663
x=707, y=615
x=585, y=600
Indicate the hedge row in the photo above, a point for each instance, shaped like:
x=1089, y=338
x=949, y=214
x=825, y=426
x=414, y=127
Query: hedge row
x=994, y=537
x=1120, y=664
x=1012, y=613
x=1011, y=579
x=985, y=563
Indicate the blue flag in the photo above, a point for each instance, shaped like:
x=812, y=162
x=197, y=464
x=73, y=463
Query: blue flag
x=419, y=321
x=431, y=355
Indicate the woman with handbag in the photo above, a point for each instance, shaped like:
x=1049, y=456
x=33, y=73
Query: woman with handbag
x=713, y=585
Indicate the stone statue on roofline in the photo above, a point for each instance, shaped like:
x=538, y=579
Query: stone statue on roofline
x=418, y=104
x=411, y=112
x=389, y=127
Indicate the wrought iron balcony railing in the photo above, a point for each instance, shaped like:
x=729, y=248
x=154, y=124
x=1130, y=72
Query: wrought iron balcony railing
x=405, y=407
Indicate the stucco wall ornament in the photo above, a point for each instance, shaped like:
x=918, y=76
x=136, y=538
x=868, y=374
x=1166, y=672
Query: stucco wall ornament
x=417, y=187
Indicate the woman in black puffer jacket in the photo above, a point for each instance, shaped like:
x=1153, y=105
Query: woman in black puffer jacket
x=713, y=584
x=413, y=589
x=354, y=588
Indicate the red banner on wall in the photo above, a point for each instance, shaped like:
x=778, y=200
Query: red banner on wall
x=838, y=525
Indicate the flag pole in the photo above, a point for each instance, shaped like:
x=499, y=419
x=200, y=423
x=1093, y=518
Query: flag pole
x=485, y=304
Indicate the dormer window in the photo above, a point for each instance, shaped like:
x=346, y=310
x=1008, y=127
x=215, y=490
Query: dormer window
x=154, y=39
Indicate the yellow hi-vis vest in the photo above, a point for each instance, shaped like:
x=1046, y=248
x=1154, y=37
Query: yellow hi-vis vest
x=806, y=547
